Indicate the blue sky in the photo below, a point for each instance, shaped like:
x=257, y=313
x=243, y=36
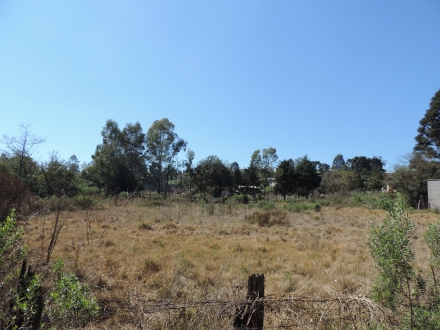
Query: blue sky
x=305, y=77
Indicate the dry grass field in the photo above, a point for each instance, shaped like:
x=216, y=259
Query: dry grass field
x=135, y=253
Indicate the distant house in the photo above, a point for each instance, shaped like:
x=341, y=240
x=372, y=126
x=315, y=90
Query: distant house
x=433, y=194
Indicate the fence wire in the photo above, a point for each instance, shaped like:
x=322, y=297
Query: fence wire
x=286, y=312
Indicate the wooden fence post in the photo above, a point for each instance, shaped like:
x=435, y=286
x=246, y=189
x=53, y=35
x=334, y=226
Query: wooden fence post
x=250, y=313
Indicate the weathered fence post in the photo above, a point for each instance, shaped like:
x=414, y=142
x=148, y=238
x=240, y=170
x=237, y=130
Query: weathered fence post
x=250, y=313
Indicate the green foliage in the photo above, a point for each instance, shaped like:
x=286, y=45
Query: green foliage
x=212, y=176
x=26, y=304
x=119, y=162
x=69, y=305
x=57, y=178
x=307, y=177
x=285, y=178
x=13, y=194
x=163, y=145
x=85, y=202
x=428, y=139
x=338, y=162
x=398, y=285
x=11, y=249
x=385, y=204
x=124, y=195
x=265, y=205
x=432, y=238
x=410, y=180
x=389, y=245
x=25, y=298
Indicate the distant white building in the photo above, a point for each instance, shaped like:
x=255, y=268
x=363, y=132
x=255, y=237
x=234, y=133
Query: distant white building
x=433, y=194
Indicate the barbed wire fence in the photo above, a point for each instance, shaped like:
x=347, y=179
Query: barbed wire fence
x=279, y=312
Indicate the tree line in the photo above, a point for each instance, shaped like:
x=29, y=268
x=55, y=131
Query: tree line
x=131, y=160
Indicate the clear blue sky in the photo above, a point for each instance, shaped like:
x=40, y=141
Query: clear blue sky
x=305, y=77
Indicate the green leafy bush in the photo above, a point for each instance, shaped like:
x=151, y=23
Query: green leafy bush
x=11, y=249
x=70, y=304
x=85, y=201
x=265, y=205
x=399, y=285
x=384, y=204
x=124, y=195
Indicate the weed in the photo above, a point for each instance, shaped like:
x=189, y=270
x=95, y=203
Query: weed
x=158, y=242
x=151, y=266
x=268, y=218
x=300, y=207
x=145, y=226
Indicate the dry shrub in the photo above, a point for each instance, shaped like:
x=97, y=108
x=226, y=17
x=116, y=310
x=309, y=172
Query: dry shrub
x=151, y=266
x=13, y=194
x=268, y=218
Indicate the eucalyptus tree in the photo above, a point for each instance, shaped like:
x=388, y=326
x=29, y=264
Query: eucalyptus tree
x=268, y=163
x=189, y=167
x=338, y=162
x=163, y=145
x=119, y=161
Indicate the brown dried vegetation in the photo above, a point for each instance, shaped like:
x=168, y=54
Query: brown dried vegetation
x=181, y=252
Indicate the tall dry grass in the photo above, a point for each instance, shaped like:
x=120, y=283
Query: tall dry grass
x=138, y=252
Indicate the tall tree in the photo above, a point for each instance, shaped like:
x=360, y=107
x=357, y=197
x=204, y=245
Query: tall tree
x=428, y=139
x=58, y=177
x=261, y=167
x=369, y=172
x=110, y=167
x=237, y=177
x=251, y=173
x=268, y=162
x=17, y=157
x=307, y=177
x=338, y=162
x=189, y=167
x=285, y=178
x=212, y=176
x=332, y=182
x=163, y=145
x=132, y=140
x=410, y=179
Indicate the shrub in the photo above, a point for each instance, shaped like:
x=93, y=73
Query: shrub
x=69, y=305
x=268, y=218
x=13, y=194
x=151, y=266
x=399, y=285
x=384, y=204
x=145, y=226
x=85, y=202
x=265, y=205
x=11, y=249
x=124, y=195
x=63, y=203
x=209, y=208
x=300, y=207
x=25, y=299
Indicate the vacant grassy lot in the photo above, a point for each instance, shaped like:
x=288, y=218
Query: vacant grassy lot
x=184, y=252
